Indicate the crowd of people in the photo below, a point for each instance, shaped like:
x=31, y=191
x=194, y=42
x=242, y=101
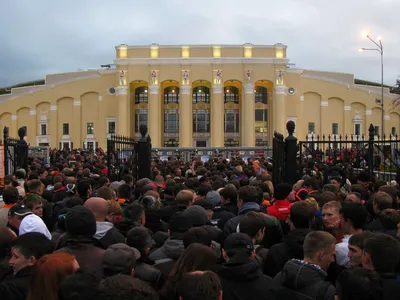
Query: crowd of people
x=200, y=231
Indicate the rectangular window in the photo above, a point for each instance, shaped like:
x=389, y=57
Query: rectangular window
x=311, y=127
x=43, y=129
x=90, y=128
x=357, y=129
x=377, y=132
x=111, y=127
x=261, y=118
x=201, y=121
x=65, y=129
x=140, y=119
x=171, y=121
x=335, y=128
x=394, y=131
x=90, y=145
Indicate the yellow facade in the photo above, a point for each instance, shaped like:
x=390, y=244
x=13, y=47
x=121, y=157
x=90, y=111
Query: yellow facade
x=194, y=96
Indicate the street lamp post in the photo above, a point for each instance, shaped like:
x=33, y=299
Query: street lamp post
x=380, y=50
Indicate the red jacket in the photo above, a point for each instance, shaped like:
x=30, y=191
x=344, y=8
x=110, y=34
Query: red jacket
x=280, y=209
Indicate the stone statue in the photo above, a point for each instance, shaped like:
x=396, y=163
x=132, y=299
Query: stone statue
x=22, y=133
x=280, y=77
x=5, y=132
x=153, y=77
x=185, y=77
x=290, y=126
x=218, y=76
x=248, y=75
x=121, y=77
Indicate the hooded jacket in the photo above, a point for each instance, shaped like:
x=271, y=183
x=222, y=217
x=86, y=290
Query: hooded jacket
x=125, y=225
x=280, y=209
x=280, y=254
x=16, y=288
x=305, y=279
x=242, y=278
x=107, y=234
x=172, y=248
x=33, y=223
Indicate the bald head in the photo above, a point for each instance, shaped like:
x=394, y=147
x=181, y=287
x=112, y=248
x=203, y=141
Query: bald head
x=98, y=206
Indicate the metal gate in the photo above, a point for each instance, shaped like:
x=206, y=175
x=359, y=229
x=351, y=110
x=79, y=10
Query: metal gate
x=121, y=157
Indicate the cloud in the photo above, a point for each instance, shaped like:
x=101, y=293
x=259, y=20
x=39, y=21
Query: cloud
x=41, y=37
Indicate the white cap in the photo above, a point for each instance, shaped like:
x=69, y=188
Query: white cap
x=32, y=223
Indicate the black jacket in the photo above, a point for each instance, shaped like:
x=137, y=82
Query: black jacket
x=242, y=278
x=280, y=254
x=167, y=212
x=221, y=215
x=391, y=287
x=125, y=225
x=5, y=272
x=307, y=280
x=148, y=273
x=108, y=235
x=375, y=226
x=16, y=288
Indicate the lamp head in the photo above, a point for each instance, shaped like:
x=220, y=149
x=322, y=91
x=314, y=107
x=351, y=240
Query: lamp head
x=361, y=49
x=379, y=38
x=365, y=34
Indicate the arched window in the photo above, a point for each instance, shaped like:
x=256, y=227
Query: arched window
x=261, y=94
x=201, y=121
x=231, y=94
x=201, y=94
x=141, y=95
x=171, y=94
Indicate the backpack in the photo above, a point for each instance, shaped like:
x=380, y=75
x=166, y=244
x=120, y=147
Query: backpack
x=281, y=292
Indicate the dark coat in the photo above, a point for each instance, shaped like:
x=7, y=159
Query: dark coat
x=16, y=288
x=6, y=272
x=172, y=248
x=391, y=287
x=244, y=279
x=149, y=274
x=375, y=226
x=280, y=254
x=305, y=279
x=125, y=225
x=221, y=215
x=108, y=235
x=167, y=212
x=88, y=256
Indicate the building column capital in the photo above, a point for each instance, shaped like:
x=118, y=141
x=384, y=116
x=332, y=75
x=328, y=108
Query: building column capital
x=154, y=89
x=248, y=88
x=185, y=89
x=280, y=90
x=121, y=90
x=217, y=88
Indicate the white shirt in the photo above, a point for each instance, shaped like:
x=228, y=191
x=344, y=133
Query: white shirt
x=342, y=250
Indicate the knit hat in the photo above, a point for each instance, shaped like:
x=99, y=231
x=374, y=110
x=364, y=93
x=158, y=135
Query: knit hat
x=179, y=223
x=282, y=190
x=120, y=258
x=33, y=223
x=213, y=197
x=80, y=221
x=197, y=215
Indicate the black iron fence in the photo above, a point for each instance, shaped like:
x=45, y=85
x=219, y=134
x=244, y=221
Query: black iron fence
x=379, y=156
x=15, y=152
x=121, y=157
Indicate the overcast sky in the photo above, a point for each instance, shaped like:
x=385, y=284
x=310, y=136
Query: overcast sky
x=41, y=37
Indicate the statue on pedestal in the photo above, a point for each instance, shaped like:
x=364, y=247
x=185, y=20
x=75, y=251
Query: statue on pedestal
x=218, y=76
x=121, y=77
x=153, y=77
x=185, y=75
x=280, y=77
x=248, y=76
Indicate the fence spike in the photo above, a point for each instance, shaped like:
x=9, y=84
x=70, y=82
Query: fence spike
x=384, y=136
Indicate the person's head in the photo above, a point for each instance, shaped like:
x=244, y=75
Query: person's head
x=197, y=215
x=381, y=253
x=140, y=238
x=228, y=195
x=7, y=236
x=282, y=191
x=79, y=285
x=196, y=257
x=106, y=193
x=20, y=174
x=98, y=206
x=125, y=287
x=35, y=186
x=356, y=247
x=253, y=224
x=115, y=211
x=382, y=201
x=80, y=222
x=128, y=179
x=185, y=197
x=17, y=213
x=178, y=225
x=391, y=191
x=353, y=216
x=336, y=181
x=319, y=248
x=119, y=259
x=50, y=269
x=33, y=223
x=354, y=197
x=136, y=213
x=84, y=189
x=238, y=247
x=331, y=215
x=124, y=191
x=213, y=197
x=27, y=249
x=35, y=204
x=358, y=284
x=10, y=195
x=200, y=285
x=390, y=218
x=197, y=235
x=247, y=194
x=310, y=184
